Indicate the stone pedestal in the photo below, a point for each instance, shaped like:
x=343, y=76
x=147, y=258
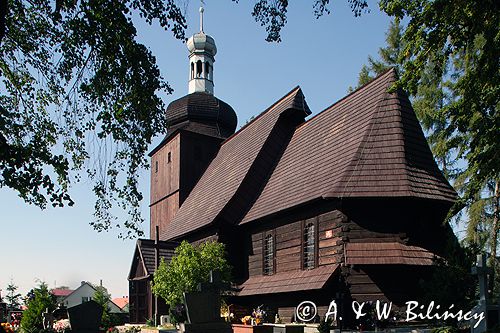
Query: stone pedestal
x=240, y=328
x=286, y=328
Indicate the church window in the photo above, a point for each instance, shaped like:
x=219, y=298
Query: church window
x=156, y=166
x=199, y=68
x=192, y=70
x=269, y=255
x=207, y=70
x=309, y=246
x=169, y=157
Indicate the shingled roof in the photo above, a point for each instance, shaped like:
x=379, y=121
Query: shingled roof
x=145, y=255
x=310, y=279
x=368, y=144
x=227, y=171
x=388, y=253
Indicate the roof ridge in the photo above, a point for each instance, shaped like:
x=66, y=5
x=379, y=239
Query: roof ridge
x=295, y=89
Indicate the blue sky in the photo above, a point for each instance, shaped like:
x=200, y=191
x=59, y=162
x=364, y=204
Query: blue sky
x=323, y=56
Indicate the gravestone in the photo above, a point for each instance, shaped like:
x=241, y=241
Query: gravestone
x=61, y=312
x=203, y=307
x=85, y=318
x=482, y=271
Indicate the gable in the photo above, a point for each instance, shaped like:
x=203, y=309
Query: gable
x=85, y=290
x=143, y=263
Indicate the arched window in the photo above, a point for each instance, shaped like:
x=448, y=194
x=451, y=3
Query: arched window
x=207, y=70
x=309, y=250
x=192, y=70
x=199, y=68
x=269, y=255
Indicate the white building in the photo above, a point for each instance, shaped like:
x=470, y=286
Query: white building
x=84, y=293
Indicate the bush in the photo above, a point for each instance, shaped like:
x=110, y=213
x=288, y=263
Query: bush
x=102, y=297
x=38, y=302
x=190, y=266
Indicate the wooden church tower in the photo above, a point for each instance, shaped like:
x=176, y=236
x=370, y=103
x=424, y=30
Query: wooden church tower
x=197, y=124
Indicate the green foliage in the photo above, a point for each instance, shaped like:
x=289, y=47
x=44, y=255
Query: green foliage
x=80, y=94
x=40, y=299
x=189, y=267
x=445, y=329
x=102, y=297
x=133, y=329
x=388, y=55
x=13, y=298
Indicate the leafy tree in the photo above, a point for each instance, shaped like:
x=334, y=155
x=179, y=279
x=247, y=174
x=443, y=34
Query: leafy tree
x=40, y=299
x=13, y=298
x=103, y=297
x=80, y=93
x=388, y=55
x=190, y=266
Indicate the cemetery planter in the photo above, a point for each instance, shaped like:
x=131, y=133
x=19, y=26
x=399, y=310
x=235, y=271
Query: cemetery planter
x=240, y=328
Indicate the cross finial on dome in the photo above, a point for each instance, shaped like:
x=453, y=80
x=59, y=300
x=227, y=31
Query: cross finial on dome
x=201, y=17
x=202, y=51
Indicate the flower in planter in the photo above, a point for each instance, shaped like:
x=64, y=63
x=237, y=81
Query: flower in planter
x=61, y=325
x=246, y=320
x=259, y=315
x=7, y=328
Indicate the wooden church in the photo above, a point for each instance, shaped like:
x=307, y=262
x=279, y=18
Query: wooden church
x=347, y=205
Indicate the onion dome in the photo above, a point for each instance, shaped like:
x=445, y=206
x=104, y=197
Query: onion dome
x=202, y=112
x=201, y=42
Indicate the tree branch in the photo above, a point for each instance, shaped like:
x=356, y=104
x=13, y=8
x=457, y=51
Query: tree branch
x=3, y=18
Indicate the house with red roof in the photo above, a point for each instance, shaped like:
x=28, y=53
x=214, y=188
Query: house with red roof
x=121, y=302
x=61, y=294
x=348, y=204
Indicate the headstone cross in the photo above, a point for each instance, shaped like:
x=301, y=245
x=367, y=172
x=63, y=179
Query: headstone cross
x=482, y=271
